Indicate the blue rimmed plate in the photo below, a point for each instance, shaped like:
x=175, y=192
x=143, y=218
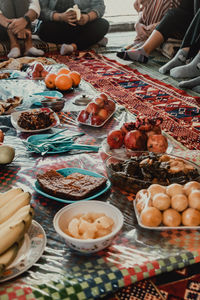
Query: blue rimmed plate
x=67, y=171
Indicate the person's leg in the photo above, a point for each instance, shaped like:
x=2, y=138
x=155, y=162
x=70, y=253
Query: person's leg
x=29, y=49
x=91, y=33
x=190, y=83
x=178, y=60
x=176, y=20
x=14, y=46
x=141, y=54
x=190, y=70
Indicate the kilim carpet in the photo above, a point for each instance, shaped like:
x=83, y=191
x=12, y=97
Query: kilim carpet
x=140, y=93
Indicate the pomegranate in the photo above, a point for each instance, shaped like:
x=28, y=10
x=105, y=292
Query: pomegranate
x=115, y=139
x=157, y=143
x=128, y=126
x=154, y=130
x=135, y=140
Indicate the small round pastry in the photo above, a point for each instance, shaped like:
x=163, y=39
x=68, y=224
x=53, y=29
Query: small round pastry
x=191, y=185
x=179, y=202
x=174, y=189
x=194, y=199
x=171, y=218
x=141, y=198
x=191, y=217
x=141, y=194
x=156, y=189
x=151, y=216
x=161, y=201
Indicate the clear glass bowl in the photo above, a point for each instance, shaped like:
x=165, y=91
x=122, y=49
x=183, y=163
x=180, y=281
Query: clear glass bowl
x=120, y=177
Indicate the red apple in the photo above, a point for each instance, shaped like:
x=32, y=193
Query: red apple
x=115, y=139
x=96, y=120
x=103, y=114
x=110, y=105
x=100, y=102
x=103, y=96
x=39, y=67
x=92, y=108
x=1, y=136
x=157, y=143
x=83, y=116
x=135, y=140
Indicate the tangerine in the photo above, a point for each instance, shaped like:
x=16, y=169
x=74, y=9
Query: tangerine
x=63, y=71
x=76, y=77
x=50, y=80
x=63, y=82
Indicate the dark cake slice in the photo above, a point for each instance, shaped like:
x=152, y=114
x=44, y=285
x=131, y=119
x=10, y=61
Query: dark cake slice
x=75, y=186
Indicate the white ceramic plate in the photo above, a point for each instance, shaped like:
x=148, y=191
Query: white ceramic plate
x=30, y=251
x=15, y=117
x=162, y=227
x=121, y=152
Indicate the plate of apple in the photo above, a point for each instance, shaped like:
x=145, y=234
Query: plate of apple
x=97, y=112
x=144, y=134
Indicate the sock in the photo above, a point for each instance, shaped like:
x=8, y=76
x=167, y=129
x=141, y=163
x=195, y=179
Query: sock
x=178, y=60
x=34, y=52
x=134, y=55
x=14, y=53
x=188, y=71
x=196, y=89
x=190, y=83
x=66, y=49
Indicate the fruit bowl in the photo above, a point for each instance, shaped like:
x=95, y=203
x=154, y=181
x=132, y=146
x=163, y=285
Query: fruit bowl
x=146, y=168
x=86, y=246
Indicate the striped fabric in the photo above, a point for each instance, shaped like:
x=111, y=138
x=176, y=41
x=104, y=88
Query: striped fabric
x=154, y=10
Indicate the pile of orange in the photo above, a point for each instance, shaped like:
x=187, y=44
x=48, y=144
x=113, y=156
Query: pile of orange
x=63, y=80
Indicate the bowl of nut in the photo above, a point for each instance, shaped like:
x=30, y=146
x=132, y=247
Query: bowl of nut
x=88, y=226
x=146, y=168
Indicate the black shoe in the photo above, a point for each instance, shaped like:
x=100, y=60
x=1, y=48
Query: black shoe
x=123, y=55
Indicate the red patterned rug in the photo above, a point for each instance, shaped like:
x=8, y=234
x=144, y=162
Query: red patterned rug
x=140, y=93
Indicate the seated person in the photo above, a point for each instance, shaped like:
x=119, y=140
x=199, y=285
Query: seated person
x=173, y=24
x=189, y=51
x=15, y=23
x=62, y=27
x=150, y=14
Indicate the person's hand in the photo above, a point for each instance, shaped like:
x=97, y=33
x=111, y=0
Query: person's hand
x=83, y=20
x=24, y=34
x=69, y=17
x=17, y=25
x=138, y=5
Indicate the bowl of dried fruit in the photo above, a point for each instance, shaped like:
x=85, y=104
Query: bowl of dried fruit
x=146, y=168
x=88, y=226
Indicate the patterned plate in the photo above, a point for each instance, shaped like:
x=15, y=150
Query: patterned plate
x=31, y=250
x=16, y=115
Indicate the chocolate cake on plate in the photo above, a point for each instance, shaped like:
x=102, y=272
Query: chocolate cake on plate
x=75, y=186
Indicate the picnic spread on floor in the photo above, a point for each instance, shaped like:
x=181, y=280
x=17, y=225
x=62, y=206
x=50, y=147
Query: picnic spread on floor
x=99, y=177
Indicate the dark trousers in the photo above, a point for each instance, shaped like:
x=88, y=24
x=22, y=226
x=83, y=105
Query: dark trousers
x=82, y=36
x=192, y=36
x=177, y=20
